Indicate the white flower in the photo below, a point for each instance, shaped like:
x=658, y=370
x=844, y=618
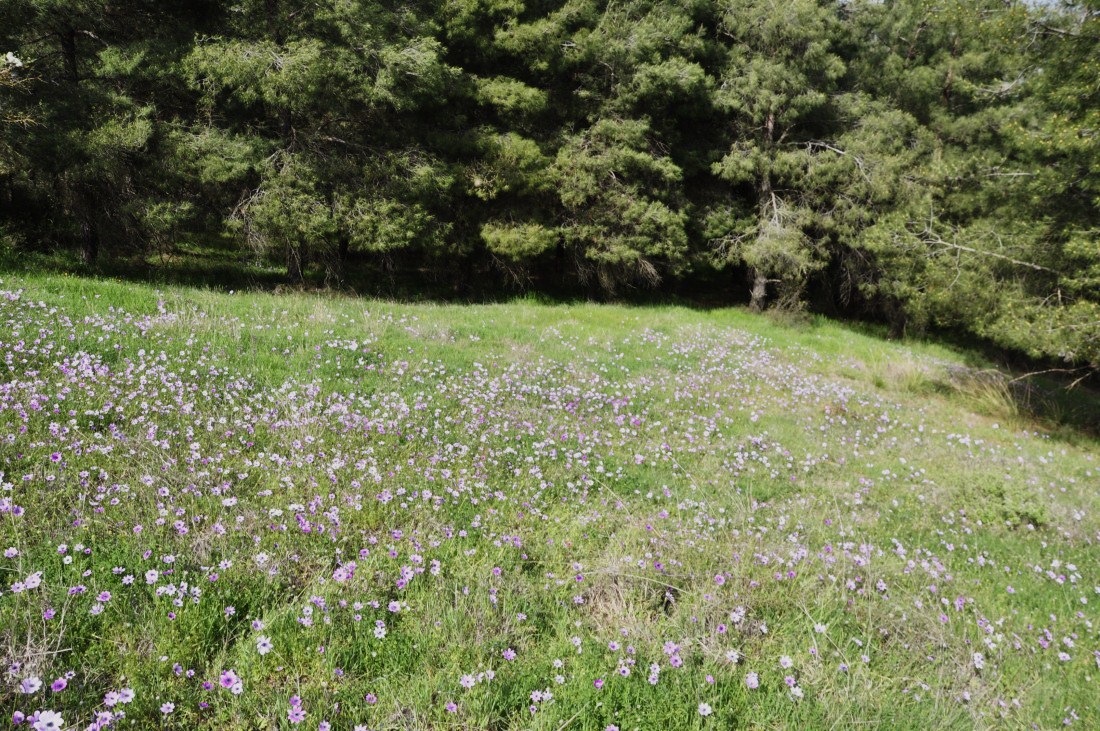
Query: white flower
x=48, y=720
x=10, y=59
x=979, y=660
x=263, y=645
x=705, y=709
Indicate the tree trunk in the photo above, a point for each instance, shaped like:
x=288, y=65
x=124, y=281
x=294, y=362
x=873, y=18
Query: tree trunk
x=295, y=263
x=89, y=242
x=895, y=313
x=68, y=53
x=768, y=214
x=759, y=291
x=343, y=248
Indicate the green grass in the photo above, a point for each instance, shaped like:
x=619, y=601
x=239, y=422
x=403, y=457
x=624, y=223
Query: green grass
x=644, y=450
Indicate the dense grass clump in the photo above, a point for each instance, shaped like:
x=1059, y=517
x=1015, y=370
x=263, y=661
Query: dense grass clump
x=244, y=511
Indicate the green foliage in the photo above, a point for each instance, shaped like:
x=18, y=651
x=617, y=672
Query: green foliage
x=288, y=209
x=620, y=216
x=511, y=98
x=518, y=241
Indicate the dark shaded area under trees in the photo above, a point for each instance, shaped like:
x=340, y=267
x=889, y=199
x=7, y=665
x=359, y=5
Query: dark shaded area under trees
x=924, y=164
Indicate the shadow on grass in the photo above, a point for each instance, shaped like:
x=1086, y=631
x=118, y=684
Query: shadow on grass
x=994, y=381
x=224, y=266
x=1053, y=400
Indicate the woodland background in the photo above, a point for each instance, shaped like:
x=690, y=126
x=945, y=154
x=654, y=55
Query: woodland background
x=929, y=165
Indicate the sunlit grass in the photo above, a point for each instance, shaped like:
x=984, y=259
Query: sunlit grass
x=595, y=488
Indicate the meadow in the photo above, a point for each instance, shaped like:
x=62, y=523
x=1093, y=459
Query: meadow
x=247, y=511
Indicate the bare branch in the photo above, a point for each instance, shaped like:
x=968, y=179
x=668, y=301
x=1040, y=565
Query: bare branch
x=931, y=237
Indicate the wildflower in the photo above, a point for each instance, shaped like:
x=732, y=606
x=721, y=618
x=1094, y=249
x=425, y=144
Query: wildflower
x=30, y=685
x=263, y=645
x=705, y=709
x=49, y=721
x=167, y=708
x=752, y=680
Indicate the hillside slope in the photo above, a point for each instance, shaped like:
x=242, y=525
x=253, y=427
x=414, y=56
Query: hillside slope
x=256, y=511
